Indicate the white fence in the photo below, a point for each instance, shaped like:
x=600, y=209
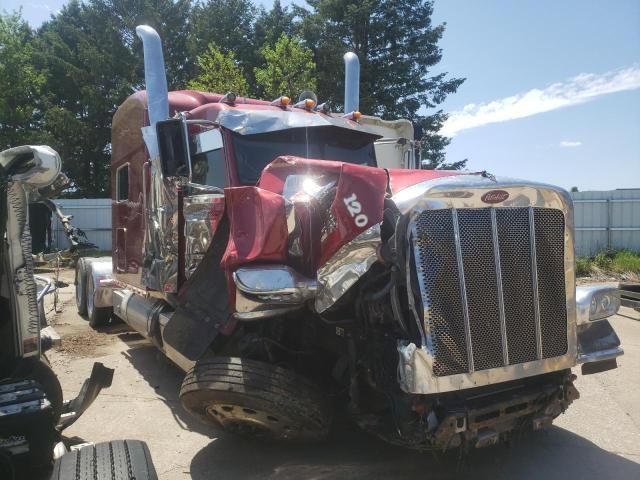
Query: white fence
x=92, y=215
x=604, y=220
x=607, y=220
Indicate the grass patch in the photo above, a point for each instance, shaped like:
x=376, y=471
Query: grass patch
x=621, y=261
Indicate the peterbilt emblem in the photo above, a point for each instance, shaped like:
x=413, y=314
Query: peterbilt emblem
x=495, y=196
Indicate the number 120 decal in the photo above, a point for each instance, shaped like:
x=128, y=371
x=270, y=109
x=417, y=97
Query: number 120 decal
x=355, y=210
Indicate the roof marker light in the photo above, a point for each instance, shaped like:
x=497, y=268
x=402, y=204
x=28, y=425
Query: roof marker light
x=355, y=116
x=281, y=102
x=307, y=104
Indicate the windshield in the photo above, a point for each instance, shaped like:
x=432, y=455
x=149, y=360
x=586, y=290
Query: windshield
x=254, y=152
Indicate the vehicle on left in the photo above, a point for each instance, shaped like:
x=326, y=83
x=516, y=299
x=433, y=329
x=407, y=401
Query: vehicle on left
x=33, y=413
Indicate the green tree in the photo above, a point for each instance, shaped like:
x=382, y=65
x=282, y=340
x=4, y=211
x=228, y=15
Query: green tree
x=229, y=24
x=92, y=61
x=219, y=72
x=289, y=69
x=20, y=84
x=397, y=45
x=271, y=25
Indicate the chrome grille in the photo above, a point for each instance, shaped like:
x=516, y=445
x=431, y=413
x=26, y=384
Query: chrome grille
x=481, y=313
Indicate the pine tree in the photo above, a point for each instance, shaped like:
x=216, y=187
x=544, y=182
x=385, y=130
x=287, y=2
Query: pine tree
x=289, y=69
x=271, y=25
x=220, y=73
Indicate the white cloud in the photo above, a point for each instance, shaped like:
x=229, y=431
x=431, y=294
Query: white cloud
x=574, y=91
x=570, y=143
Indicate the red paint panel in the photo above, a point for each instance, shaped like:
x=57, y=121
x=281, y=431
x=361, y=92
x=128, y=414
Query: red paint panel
x=358, y=205
x=399, y=179
x=258, y=229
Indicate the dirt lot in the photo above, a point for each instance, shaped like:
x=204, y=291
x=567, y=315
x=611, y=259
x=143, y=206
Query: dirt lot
x=598, y=438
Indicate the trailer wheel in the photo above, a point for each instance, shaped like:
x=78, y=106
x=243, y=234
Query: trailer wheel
x=98, y=316
x=114, y=460
x=255, y=398
x=81, y=285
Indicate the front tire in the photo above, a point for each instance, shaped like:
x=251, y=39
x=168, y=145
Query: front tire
x=98, y=316
x=255, y=398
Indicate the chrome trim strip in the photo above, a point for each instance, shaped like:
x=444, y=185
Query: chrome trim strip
x=534, y=281
x=416, y=374
x=601, y=355
x=463, y=289
x=496, y=255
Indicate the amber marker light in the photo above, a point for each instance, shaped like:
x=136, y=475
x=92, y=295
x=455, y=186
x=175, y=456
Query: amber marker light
x=307, y=104
x=355, y=116
x=281, y=102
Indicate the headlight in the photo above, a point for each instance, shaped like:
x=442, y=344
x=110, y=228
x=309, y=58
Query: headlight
x=596, y=302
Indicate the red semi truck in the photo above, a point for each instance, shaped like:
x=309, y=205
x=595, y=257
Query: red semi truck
x=266, y=251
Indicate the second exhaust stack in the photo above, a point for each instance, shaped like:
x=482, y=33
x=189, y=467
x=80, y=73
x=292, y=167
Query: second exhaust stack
x=351, y=83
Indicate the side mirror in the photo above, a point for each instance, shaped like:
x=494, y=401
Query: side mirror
x=173, y=146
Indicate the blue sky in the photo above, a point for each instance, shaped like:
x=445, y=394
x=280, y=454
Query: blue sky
x=552, y=91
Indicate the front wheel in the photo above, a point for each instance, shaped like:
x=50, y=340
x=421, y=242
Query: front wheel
x=255, y=398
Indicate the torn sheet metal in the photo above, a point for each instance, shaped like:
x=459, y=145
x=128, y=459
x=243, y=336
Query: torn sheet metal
x=346, y=266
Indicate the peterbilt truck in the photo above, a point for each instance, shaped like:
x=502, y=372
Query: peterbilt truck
x=265, y=249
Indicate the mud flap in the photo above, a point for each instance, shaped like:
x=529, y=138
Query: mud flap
x=203, y=303
x=101, y=377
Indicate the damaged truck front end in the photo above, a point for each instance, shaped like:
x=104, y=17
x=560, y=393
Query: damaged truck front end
x=262, y=248
x=454, y=305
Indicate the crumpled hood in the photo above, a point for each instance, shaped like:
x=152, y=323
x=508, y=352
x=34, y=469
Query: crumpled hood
x=310, y=208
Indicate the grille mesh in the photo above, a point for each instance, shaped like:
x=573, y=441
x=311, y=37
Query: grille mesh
x=550, y=255
x=436, y=257
x=445, y=322
x=476, y=243
x=515, y=264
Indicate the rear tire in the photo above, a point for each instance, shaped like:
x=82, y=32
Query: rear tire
x=81, y=285
x=114, y=460
x=255, y=398
x=97, y=316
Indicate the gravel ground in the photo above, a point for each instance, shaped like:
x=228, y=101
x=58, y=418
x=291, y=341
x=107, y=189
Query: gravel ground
x=598, y=437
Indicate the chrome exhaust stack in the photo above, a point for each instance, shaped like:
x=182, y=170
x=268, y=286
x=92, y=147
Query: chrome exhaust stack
x=155, y=76
x=351, y=82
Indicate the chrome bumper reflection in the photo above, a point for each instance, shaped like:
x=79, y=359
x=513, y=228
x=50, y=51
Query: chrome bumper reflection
x=269, y=290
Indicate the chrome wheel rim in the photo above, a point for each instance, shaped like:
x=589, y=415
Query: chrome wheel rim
x=243, y=419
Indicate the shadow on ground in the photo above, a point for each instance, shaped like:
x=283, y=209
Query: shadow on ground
x=349, y=453
x=165, y=378
x=554, y=454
